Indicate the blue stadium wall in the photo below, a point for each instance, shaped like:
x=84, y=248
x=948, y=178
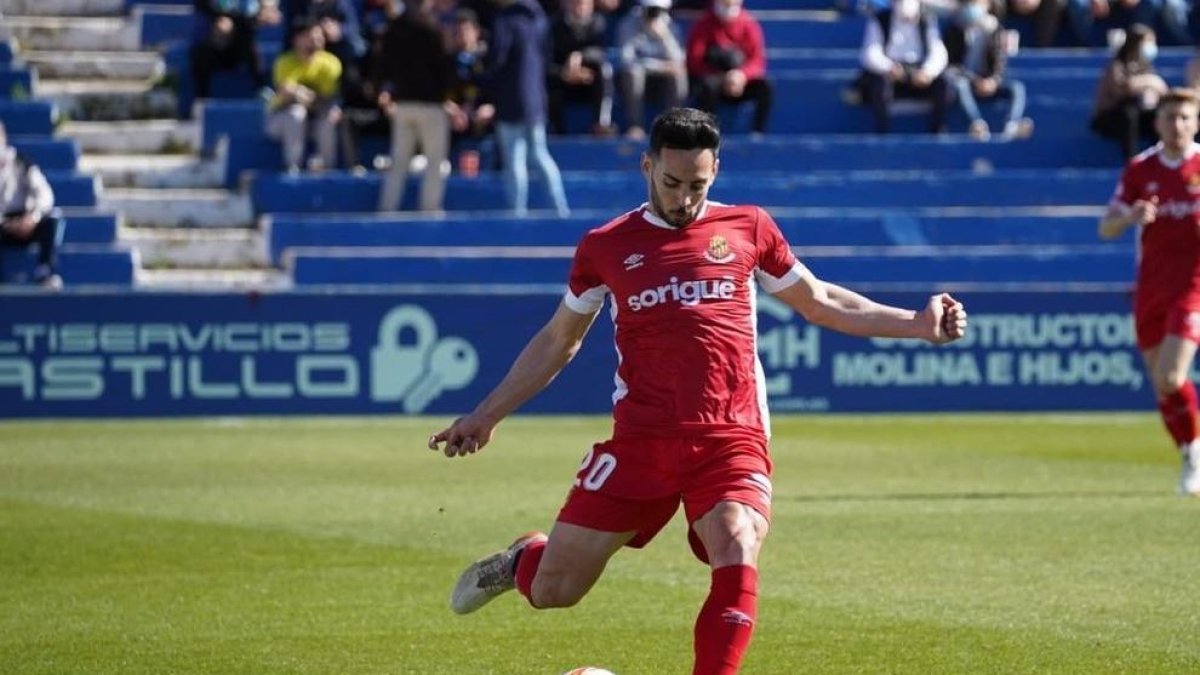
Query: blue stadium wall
x=151, y=354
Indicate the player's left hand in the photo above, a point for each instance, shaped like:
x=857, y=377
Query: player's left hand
x=465, y=436
x=946, y=319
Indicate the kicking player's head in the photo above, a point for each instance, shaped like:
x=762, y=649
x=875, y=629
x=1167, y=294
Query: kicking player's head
x=1176, y=119
x=681, y=164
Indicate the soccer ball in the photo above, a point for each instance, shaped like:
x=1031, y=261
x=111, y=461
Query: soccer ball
x=589, y=670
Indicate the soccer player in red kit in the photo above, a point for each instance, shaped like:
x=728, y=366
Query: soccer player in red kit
x=690, y=415
x=1159, y=192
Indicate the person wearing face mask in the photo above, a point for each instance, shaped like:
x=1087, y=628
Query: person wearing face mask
x=975, y=45
x=903, y=56
x=579, y=68
x=727, y=60
x=1128, y=92
x=652, y=65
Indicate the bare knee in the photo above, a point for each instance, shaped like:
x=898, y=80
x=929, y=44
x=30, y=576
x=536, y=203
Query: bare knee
x=732, y=534
x=553, y=589
x=1168, y=380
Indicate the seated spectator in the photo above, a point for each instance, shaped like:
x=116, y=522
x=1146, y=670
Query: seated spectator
x=1172, y=14
x=28, y=201
x=471, y=113
x=306, y=88
x=223, y=39
x=727, y=60
x=652, y=64
x=445, y=12
x=579, y=67
x=1128, y=92
x=413, y=77
x=978, y=52
x=338, y=20
x=360, y=100
x=903, y=56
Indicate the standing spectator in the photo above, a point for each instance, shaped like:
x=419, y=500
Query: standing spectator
x=652, y=64
x=1045, y=15
x=28, y=201
x=515, y=77
x=903, y=56
x=1128, y=92
x=978, y=53
x=727, y=60
x=223, y=39
x=306, y=89
x=471, y=113
x=414, y=77
x=580, y=71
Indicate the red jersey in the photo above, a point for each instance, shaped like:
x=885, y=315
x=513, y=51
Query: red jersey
x=683, y=311
x=1169, y=247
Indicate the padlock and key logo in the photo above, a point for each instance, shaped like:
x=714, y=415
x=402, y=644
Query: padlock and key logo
x=410, y=364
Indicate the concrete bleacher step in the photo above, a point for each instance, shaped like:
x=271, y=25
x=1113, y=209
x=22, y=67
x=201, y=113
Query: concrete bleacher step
x=136, y=137
x=72, y=33
x=214, y=279
x=180, y=208
x=62, y=7
x=208, y=248
x=155, y=171
x=104, y=65
x=103, y=100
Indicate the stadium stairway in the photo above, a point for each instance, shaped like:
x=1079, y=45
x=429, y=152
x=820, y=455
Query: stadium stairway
x=98, y=63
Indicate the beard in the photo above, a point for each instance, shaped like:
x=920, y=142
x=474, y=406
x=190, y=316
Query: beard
x=678, y=218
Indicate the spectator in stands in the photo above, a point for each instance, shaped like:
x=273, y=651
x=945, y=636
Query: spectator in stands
x=903, y=56
x=1128, y=91
x=579, y=69
x=338, y=20
x=223, y=39
x=515, y=79
x=727, y=60
x=445, y=13
x=471, y=113
x=1045, y=15
x=306, y=88
x=1172, y=14
x=652, y=64
x=413, y=78
x=977, y=48
x=28, y=203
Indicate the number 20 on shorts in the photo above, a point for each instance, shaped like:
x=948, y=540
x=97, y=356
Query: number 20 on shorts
x=592, y=474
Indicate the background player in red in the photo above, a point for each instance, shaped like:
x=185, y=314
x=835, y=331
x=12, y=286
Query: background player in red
x=1160, y=193
x=690, y=416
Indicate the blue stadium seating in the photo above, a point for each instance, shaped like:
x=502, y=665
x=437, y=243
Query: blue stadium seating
x=801, y=227
x=48, y=153
x=28, y=117
x=89, y=226
x=71, y=188
x=6, y=53
x=922, y=265
x=79, y=265
x=340, y=192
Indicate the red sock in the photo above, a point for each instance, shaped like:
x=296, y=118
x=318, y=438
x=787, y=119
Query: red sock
x=726, y=620
x=1179, y=413
x=527, y=565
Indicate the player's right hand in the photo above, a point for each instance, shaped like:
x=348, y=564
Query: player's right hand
x=465, y=436
x=1145, y=211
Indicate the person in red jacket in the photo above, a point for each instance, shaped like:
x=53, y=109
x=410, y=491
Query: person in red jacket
x=727, y=60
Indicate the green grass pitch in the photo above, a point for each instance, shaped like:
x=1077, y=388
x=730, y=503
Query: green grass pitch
x=911, y=544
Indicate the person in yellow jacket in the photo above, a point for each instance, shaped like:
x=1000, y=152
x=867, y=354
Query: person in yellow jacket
x=306, y=98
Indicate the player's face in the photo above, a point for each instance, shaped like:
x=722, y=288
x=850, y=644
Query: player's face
x=679, y=182
x=1176, y=125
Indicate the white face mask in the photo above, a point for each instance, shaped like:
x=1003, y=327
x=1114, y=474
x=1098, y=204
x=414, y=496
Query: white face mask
x=726, y=12
x=908, y=9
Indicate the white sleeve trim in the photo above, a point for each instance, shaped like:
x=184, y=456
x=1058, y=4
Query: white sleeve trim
x=589, y=302
x=772, y=284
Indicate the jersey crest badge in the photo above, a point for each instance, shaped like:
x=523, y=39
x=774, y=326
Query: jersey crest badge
x=718, y=251
x=634, y=261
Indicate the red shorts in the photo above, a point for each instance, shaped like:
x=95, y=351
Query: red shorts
x=1156, y=323
x=636, y=485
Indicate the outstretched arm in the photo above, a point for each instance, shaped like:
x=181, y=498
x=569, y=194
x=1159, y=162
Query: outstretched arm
x=944, y=319
x=546, y=354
